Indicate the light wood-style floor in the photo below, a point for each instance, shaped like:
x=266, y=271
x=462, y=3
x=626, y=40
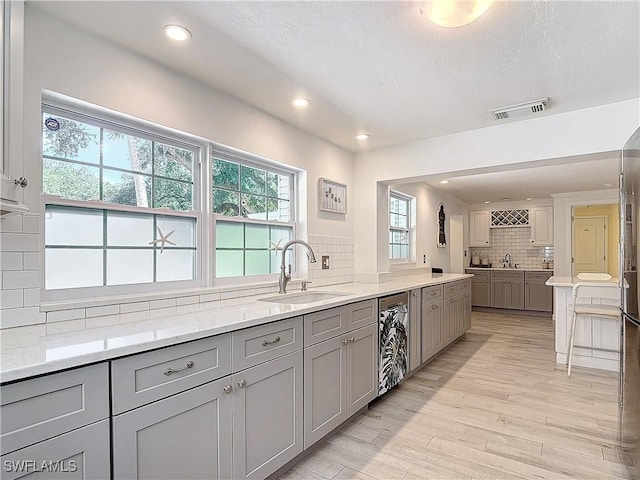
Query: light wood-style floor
x=493, y=406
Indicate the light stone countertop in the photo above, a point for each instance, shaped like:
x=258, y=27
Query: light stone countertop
x=569, y=281
x=29, y=351
x=519, y=269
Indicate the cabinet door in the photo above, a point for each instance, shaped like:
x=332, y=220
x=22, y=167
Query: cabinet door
x=541, y=219
x=432, y=340
x=267, y=414
x=80, y=454
x=362, y=368
x=450, y=319
x=187, y=435
x=481, y=294
x=515, y=295
x=465, y=312
x=479, y=232
x=499, y=294
x=538, y=297
x=324, y=388
x=414, y=330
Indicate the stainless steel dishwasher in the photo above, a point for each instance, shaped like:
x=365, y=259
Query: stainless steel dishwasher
x=394, y=352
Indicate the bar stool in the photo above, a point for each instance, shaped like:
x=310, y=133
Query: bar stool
x=594, y=287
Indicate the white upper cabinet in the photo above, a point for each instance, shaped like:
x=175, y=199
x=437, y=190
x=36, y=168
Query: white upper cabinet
x=11, y=148
x=541, y=219
x=479, y=222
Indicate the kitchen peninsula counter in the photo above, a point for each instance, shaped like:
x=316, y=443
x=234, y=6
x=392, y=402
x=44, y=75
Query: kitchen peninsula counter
x=32, y=350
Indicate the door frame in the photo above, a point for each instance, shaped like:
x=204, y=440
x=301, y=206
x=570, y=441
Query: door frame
x=606, y=239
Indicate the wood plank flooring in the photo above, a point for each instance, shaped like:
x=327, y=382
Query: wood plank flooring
x=493, y=406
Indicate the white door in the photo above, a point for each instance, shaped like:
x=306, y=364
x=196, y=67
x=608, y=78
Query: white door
x=589, y=244
x=456, y=244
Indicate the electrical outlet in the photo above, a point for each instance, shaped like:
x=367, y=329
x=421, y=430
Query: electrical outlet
x=424, y=259
x=325, y=262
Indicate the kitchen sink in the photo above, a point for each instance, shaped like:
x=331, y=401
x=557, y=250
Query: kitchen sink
x=303, y=297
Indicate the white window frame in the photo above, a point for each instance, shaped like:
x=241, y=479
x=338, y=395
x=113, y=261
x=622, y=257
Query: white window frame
x=409, y=200
x=246, y=159
x=126, y=124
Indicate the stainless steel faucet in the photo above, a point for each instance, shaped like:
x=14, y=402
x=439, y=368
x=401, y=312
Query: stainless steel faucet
x=507, y=261
x=284, y=277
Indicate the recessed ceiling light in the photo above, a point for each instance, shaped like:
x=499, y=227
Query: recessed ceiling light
x=608, y=184
x=487, y=201
x=529, y=198
x=444, y=181
x=505, y=199
x=177, y=33
x=362, y=136
x=301, y=102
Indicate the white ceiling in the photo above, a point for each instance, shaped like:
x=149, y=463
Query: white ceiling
x=381, y=67
x=538, y=182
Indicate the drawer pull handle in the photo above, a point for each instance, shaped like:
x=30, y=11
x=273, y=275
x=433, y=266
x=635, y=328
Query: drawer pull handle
x=228, y=389
x=270, y=342
x=242, y=383
x=169, y=370
x=345, y=341
x=351, y=339
x=435, y=307
x=433, y=294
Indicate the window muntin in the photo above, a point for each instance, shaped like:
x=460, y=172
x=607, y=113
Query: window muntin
x=253, y=203
x=94, y=247
x=399, y=227
x=85, y=160
x=249, y=191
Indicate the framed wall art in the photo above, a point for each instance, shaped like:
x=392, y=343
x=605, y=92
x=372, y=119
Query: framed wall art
x=332, y=196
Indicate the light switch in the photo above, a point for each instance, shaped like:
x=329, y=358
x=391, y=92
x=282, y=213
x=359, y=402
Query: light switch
x=325, y=262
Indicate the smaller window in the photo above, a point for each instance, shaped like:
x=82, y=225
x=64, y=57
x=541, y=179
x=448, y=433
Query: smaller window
x=399, y=227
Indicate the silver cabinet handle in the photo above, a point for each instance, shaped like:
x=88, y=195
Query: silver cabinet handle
x=351, y=339
x=415, y=294
x=270, y=342
x=345, y=341
x=169, y=370
x=228, y=389
x=242, y=383
x=435, y=307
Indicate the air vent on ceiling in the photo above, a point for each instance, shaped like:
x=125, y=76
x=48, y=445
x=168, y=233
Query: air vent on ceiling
x=520, y=109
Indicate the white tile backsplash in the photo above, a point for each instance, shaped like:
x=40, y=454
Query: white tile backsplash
x=516, y=242
x=20, y=284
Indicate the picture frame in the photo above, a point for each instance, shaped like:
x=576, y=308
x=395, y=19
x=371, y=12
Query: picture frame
x=332, y=196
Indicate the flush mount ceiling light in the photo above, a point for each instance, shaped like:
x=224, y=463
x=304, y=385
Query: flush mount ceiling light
x=608, y=184
x=177, y=33
x=454, y=13
x=444, y=181
x=487, y=202
x=362, y=136
x=521, y=109
x=301, y=102
x=529, y=198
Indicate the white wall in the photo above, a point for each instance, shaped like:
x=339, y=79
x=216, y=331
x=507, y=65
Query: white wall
x=599, y=129
x=427, y=202
x=58, y=57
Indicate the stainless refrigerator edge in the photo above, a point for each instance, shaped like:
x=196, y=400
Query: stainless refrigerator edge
x=630, y=332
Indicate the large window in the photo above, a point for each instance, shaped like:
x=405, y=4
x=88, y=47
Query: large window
x=399, y=227
x=120, y=203
x=253, y=204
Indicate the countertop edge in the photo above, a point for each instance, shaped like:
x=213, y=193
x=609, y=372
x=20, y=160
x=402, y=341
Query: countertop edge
x=263, y=313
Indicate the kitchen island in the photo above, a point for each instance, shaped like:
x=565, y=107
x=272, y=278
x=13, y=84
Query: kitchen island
x=592, y=333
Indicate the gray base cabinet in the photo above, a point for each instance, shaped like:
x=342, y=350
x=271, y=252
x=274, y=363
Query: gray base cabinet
x=432, y=339
x=507, y=290
x=80, y=454
x=267, y=408
x=465, y=311
x=537, y=295
x=362, y=368
x=451, y=319
x=480, y=288
x=185, y=436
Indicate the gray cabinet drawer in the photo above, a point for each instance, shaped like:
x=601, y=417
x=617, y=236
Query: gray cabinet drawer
x=464, y=286
x=361, y=314
x=539, y=278
x=40, y=408
x=431, y=293
x=479, y=276
x=258, y=344
x=451, y=289
x=508, y=275
x=325, y=324
x=146, y=377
